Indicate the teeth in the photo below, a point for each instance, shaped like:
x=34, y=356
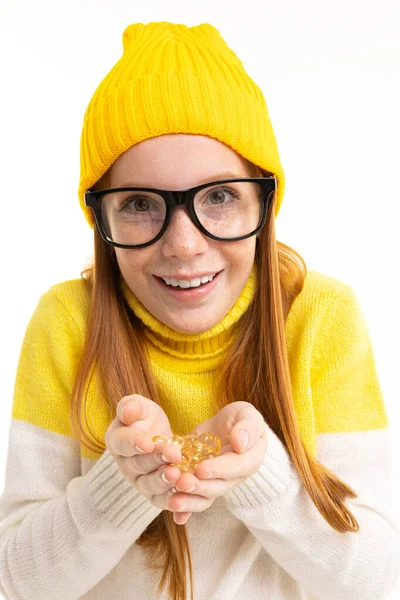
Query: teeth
x=188, y=283
x=195, y=282
x=184, y=283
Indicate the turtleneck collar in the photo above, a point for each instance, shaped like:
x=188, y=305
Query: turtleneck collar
x=210, y=344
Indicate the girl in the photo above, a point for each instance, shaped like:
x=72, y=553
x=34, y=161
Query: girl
x=193, y=318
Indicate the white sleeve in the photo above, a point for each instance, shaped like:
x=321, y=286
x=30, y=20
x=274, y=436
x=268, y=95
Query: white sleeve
x=275, y=507
x=61, y=533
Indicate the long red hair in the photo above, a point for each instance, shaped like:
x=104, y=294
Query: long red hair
x=256, y=369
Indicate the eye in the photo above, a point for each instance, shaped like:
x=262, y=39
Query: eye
x=217, y=196
x=139, y=204
x=220, y=197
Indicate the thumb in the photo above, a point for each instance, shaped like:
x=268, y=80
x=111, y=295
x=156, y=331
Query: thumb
x=244, y=435
x=129, y=409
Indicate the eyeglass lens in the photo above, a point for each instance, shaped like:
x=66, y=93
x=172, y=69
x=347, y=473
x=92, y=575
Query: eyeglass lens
x=227, y=211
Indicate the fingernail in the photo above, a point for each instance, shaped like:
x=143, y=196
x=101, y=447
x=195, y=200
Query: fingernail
x=139, y=449
x=163, y=477
x=190, y=489
x=163, y=458
x=244, y=438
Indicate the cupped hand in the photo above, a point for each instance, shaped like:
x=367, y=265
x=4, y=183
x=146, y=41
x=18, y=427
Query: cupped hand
x=140, y=460
x=237, y=461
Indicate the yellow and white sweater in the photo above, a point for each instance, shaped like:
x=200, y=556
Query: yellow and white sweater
x=69, y=519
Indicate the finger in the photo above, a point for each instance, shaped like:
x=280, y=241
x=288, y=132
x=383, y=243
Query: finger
x=246, y=433
x=226, y=466
x=123, y=441
x=187, y=482
x=187, y=503
x=182, y=518
x=209, y=488
x=161, y=500
x=163, y=453
x=130, y=409
x=158, y=482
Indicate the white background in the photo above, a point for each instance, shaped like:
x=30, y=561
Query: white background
x=330, y=75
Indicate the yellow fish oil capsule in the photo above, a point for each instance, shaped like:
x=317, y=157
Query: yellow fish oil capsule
x=159, y=438
x=177, y=439
x=215, y=442
x=204, y=437
x=196, y=460
x=184, y=465
x=193, y=448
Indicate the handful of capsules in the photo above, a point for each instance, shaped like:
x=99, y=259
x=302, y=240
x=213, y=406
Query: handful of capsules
x=194, y=448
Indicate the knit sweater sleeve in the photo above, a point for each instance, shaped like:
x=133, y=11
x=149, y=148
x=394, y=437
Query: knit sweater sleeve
x=61, y=532
x=274, y=504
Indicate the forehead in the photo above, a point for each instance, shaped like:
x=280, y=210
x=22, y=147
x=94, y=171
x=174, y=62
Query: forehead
x=183, y=160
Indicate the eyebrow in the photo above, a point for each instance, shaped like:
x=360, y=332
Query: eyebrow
x=217, y=177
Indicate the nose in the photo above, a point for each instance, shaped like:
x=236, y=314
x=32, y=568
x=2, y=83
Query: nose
x=182, y=239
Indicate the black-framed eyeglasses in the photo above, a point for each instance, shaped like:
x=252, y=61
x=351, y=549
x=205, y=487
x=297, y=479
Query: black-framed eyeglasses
x=227, y=210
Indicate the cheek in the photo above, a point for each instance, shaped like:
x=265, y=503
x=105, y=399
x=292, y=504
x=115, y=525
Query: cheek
x=123, y=261
x=132, y=263
x=240, y=255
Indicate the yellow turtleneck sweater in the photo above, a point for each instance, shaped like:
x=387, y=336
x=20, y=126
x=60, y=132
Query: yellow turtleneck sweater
x=69, y=518
x=329, y=350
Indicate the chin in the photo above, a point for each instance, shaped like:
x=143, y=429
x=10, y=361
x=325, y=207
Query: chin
x=192, y=329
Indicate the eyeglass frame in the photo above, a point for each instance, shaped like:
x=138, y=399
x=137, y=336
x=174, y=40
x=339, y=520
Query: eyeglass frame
x=173, y=198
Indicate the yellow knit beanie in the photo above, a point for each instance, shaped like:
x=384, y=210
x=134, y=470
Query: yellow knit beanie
x=175, y=79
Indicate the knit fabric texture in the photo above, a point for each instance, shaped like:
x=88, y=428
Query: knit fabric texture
x=69, y=519
x=175, y=79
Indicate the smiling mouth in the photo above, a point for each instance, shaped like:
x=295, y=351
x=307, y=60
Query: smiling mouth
x=185, y=284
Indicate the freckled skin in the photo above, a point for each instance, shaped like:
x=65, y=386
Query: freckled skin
x=180, y=161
